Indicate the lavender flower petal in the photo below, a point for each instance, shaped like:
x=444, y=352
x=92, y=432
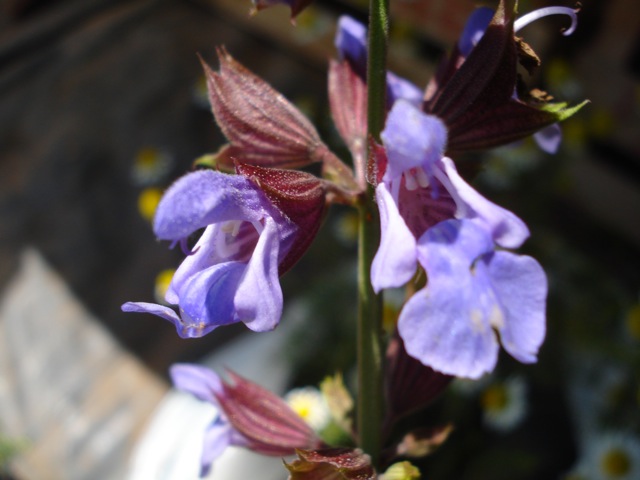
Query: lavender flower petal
x=474, y=29
x=258, y=300
x=447, y=324
x=549, y=138
x=401, y=88
x=159, y=310
x=395, y=261
x=217, y=438
x=521, y=285
x=413, y=139
x=205, y=197
x=199, y=381
x=507, y=229
x=351, y=42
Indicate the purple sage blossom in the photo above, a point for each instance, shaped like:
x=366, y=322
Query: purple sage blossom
x=420, y=188
x=473, y=292
x=549, y=137
x=232, y=274
x=351, y=43
x=474, y=90
x=220, y=434
x=431, y=217
x=248, y=416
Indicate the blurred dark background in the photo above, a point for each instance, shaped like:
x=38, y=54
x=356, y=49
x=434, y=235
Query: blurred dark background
x=102, y=105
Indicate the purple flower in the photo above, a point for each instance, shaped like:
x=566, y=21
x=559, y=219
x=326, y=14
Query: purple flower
x=421, y=188
x=232, y=275
x=473, y=292
x=351, y=43
x=431, y=217
x=220, y=434
x=248, y=416
x=473, y=30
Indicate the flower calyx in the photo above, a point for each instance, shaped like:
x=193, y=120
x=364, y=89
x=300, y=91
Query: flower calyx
x=331, y=464
x=262, y=126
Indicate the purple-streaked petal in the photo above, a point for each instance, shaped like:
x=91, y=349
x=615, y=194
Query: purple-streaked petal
x=395, y=261
x=412, y=139
x=351, y=42
x=549, y=138
x=200, y=382
x=204, y=197
x=521, y=285
x=400, y=88
x=475, y=27
x=507, y=230
x=258, y=300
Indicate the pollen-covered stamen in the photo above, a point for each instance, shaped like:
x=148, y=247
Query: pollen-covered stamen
x=531, y=17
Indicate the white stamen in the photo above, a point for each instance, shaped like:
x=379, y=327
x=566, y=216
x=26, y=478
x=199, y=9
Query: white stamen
x=423, y=178
x=410, y=182
x=226, y=239
x=544, y=12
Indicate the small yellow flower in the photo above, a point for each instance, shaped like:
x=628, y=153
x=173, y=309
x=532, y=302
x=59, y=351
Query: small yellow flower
x=148, y=202
x=163, y=279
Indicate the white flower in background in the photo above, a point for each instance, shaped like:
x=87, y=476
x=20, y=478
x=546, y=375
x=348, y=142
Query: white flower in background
x=310, y=404
x=504, y=404
x=150, y=166
x=467, y=387
x=579, y=472
x=614, y=456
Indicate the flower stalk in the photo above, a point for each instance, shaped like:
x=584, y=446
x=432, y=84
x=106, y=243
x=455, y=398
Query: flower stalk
x=370, y=351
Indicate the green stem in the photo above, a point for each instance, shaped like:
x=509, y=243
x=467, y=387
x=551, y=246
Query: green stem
x=377, y=66
x=370, y=354
x=370, y=345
